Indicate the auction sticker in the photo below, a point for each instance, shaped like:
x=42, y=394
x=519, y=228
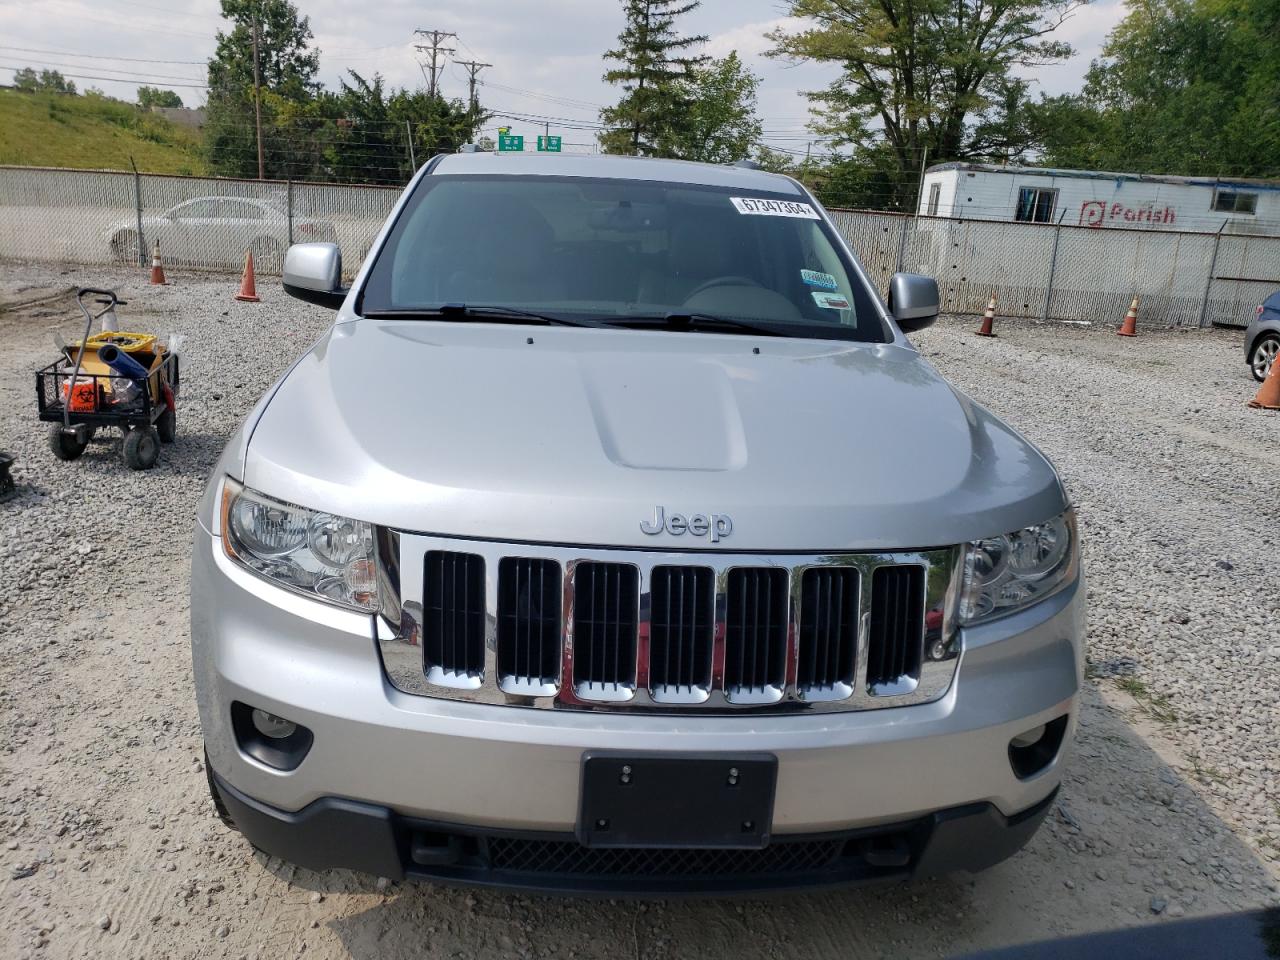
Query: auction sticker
x=824, y=281
x=831, y=301
x=775, y=208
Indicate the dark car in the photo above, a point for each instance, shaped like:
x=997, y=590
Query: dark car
x=1262, y=339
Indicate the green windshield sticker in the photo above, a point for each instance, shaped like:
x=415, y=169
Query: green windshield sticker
x=824, y=281
x=831, y=301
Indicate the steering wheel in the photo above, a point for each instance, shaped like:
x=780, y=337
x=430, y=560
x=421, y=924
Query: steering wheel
x=726, y=281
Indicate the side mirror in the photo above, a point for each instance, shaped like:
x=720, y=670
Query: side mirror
x=913, y=301
x=313, y=272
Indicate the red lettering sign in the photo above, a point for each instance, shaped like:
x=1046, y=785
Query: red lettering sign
x=1098, y=213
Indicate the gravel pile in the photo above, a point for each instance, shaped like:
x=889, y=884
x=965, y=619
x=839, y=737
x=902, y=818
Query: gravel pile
x=111, y=848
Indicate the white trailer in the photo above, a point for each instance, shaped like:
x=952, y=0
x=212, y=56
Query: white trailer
x=980, y=191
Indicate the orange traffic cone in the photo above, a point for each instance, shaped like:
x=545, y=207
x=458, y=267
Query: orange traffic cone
x=157, y=268
x=1268, y=397
x=988, y=317
x=1129, y=328
x=248, y=291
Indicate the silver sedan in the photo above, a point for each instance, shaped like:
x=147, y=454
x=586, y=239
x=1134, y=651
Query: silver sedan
x=216, y=232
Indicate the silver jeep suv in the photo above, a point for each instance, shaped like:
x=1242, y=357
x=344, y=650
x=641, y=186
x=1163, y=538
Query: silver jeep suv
x=615, y=539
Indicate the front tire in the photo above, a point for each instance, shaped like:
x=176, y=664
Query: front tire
x=1263, y=355
x=268, y=255
x=141, y=448
x=64, y=446
x=167, y=426
x=124, y=248
x=219, y=807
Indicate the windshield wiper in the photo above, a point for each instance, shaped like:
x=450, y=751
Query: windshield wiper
x=463, y=312
x=691, y=321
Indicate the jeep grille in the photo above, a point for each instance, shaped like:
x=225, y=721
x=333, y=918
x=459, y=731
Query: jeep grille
x=585, y=628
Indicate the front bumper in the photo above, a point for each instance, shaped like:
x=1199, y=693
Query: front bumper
x=486, y=768
x=337, y=833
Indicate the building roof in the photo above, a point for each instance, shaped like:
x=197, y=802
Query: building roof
x=612, y=167
x=1255, y=184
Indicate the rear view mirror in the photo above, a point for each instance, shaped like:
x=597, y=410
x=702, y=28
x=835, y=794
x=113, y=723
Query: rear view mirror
x=313, y=272
x=913, y=301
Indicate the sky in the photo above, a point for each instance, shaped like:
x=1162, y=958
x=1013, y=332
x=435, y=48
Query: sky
x=546, y=54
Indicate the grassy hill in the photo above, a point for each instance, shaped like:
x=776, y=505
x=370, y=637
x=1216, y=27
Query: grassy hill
x=93, y=132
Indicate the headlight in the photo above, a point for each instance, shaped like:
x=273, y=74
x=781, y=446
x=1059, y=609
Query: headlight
x=1004, y=574
x=319, y=555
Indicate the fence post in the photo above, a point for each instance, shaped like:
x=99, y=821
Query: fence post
x=137, y=206
x=902, y=243
x=288, y=188
x=1053, y=269
x=1213, y=267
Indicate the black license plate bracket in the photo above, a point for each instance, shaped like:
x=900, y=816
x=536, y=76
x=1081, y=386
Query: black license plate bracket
x=659, y=800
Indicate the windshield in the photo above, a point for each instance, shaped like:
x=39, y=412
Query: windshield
x=608, y=250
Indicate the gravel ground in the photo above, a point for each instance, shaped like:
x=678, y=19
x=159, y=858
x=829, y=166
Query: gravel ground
x=111, y=848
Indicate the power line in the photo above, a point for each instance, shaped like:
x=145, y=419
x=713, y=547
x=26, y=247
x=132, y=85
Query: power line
x=95, y=56
x=129, y=75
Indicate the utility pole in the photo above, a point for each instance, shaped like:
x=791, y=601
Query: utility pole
x=436, y=48
x=473, y=67
x=804, y=171
x=257, y=97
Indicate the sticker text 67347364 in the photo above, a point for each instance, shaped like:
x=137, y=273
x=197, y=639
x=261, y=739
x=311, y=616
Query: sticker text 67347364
x=775, y=208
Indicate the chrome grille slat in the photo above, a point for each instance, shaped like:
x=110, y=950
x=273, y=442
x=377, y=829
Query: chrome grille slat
x=756, y=635
x=528, y=626
x=828, y=631
x=604, y=631
x=571, y=653
x=896, y=633
x=453, y=636
x=681, y=634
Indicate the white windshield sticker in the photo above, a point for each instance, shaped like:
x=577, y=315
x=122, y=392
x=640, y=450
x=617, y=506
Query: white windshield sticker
x=831, y=301
x=824, y=281
x=775, y=208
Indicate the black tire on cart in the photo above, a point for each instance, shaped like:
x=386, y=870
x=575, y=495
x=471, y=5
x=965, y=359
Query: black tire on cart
x=64, y=446
x=141, y=448
x=167, y=426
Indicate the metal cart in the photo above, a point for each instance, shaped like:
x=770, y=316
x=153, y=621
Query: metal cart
x=77, y=403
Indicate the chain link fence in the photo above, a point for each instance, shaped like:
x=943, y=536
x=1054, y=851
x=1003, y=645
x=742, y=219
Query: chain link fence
x=1036, y=271
x=202, y=222
x=1047, y=272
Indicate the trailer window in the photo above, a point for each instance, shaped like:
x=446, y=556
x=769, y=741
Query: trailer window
x=1233, y=201
x=1035, y=205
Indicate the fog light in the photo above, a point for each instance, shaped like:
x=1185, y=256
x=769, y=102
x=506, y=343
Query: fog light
x=269, y=739
x=276, y=728
x=1033, y=750
x=1028, y=739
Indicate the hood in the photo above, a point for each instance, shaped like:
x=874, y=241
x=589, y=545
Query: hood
x=577, y=436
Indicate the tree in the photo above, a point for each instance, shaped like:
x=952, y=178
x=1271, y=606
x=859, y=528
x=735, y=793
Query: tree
x=149, y=97
x=287, y=68
x=653, y=67
x=50, y=81
x=919, y=74
x=1183, y=86
x=718, y=123
x=55, y=82
x=286, y=63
